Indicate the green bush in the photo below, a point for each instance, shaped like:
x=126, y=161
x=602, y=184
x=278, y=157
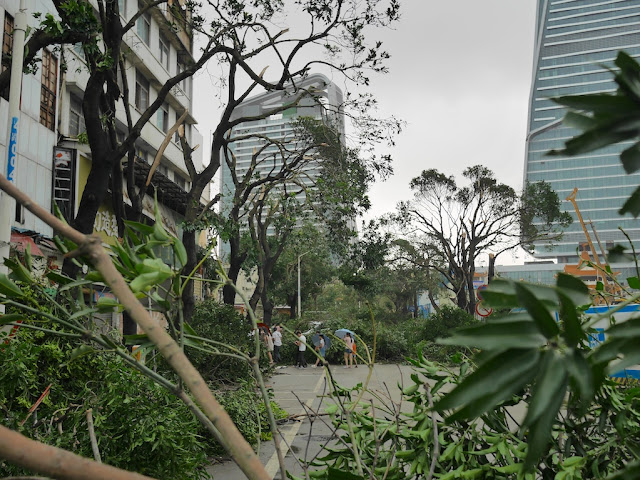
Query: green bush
x=221, y=323
x=139, y=425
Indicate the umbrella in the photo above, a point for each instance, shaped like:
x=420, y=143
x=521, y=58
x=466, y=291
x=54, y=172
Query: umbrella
x=342, y=332
x=316, y=340
x=265, y=326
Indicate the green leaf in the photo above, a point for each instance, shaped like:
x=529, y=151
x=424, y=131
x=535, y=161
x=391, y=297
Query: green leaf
x=593, y=140
x=139, y=227
x=180, y=251
x=632, y=205
x=548, y=384
x=10, y=318
x=85, y=312
x=8, y=288
x=107, y=304
x=627, y=329
x=80, y=351
x=574, y=289
x=541, y=316
x=630, y=355
x=579, y=121
x=581, y=374
x=58, y=278
x=19, y=271
x=488, y=402
x=497, y=336
x=74, y=284
x=634, y=283
x=94, y=276
x=492, y=376
x=145, y=281
x=540, y=431
x=631, y=158
x=599, y=103
x=573, y=332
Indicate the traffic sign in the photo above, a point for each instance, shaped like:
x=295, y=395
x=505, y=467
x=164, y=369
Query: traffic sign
x=483, y=310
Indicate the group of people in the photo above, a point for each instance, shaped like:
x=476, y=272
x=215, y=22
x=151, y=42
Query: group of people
x=273, y=343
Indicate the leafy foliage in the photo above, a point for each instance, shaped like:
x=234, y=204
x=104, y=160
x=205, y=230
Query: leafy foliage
x=139, y=425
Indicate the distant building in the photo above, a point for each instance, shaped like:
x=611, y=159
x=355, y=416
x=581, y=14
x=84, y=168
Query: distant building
x=575, y=40
x=279, y=127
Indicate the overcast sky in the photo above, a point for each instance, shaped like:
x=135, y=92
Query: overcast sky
x=460, y=75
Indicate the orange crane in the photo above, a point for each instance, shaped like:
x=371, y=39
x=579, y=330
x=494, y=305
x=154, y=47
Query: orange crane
x=601, y=271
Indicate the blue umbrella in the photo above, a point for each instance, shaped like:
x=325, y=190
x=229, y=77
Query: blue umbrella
x=342, y=332
x=316, y=340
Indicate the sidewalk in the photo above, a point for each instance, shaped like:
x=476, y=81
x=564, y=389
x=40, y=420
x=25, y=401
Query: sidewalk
x=293, y=388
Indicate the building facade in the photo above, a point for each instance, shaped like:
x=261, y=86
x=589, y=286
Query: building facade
x=54, y=159
x=576, y=40
x=323, y=104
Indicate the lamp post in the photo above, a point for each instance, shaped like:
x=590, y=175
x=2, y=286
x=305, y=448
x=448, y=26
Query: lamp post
x=299, y=299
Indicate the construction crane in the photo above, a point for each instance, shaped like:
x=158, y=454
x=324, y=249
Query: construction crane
x=601, y=271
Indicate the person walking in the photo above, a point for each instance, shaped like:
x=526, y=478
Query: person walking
x=321, y=348
x=348, y=351
x=277, y=343
x=268, y=343
x=301, y=362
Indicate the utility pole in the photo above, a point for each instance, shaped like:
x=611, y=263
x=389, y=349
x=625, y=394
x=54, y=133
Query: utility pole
x=7, y=203
x=299, y=298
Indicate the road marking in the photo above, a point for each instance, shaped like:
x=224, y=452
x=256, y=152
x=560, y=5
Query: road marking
x=273, y=465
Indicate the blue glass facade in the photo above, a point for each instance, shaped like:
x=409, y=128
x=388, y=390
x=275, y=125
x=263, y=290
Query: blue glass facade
x=576, y=40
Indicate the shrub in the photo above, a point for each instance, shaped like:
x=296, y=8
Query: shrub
x=139, y=425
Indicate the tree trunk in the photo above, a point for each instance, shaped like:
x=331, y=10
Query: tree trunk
x=235, y=264
x=267, y=308
x=188, y=300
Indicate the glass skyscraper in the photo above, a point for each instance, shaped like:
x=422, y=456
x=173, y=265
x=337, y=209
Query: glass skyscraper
x=575, y=41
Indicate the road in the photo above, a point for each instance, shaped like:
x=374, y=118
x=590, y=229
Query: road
x=299, y=390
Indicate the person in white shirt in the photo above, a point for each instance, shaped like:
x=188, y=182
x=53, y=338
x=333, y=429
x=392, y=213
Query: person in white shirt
x=277, y=343
x=301, y=362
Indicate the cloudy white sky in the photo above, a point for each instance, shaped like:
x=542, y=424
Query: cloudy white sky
x=460, y=76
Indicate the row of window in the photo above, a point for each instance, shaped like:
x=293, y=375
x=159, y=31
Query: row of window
x=164, y=50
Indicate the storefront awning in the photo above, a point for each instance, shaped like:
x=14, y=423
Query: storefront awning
x=20, y=240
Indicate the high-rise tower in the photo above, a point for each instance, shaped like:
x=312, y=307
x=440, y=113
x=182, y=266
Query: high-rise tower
x=575, y=41
x=322, y=103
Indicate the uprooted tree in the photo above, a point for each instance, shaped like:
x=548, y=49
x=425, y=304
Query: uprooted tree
x=452, y=225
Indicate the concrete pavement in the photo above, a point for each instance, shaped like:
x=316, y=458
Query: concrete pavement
x=299, y=390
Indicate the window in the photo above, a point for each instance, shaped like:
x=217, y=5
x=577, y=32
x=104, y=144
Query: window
x=164, y=51
x=184, y=84
x=144, y=26
x=181, y=182
x=122, y=7
x=48, y=90
x=163, y=118
x=142, y=92
x=176, y=136
x=76, y=118
x=7, y=45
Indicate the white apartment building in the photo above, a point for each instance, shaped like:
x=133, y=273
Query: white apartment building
x=53, y=162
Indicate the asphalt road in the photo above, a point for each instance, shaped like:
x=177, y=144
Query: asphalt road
x=299, y=391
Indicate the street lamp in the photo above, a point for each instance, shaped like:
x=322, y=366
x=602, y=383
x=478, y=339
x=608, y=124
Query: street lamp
x=299, y=301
